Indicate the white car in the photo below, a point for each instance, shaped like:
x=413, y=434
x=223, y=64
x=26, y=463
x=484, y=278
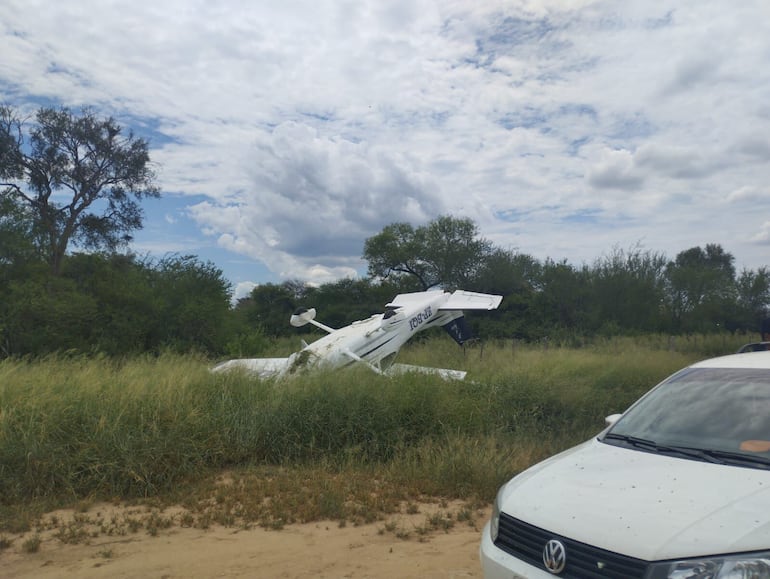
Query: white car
x=676, y=487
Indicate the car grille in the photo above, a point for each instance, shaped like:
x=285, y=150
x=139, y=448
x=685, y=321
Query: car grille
x=526, y=542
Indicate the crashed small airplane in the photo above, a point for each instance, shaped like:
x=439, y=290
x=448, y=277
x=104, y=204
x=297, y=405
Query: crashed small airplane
x=375, y=341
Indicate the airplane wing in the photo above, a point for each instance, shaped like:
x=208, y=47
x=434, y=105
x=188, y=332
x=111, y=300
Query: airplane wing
x=263, y=367
x=463, y=300
x=445, y=373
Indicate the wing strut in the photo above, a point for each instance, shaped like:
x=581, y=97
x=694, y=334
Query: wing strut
x=358, y=358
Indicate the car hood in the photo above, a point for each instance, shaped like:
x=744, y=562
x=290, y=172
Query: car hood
x=644, y=505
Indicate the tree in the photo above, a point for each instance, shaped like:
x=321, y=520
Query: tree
x=699, y=283
x=130, y=314
x=17, y=235
x=454, y=250
x=193, y=304
x=628, y=290
x=80, y=177
x=446, y=252
x=561, y=300
x=394, y=252
x=42, y=314
x=753, y=297
x=269, y=307
x=512, y=275
x=116, y=305
x=506, y=272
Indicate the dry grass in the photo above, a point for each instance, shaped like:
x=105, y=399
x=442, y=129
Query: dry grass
x=156, y=434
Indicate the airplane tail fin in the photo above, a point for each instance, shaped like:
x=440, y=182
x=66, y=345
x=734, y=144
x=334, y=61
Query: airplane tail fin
x=459, y=330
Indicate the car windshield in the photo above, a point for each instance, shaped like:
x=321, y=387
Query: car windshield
x=717, y=415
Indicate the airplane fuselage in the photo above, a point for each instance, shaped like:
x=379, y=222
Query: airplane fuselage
x=375, y=340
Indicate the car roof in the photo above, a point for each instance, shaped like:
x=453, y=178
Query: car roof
x=744, y=360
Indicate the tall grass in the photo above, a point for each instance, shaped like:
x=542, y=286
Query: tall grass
x=86, y=427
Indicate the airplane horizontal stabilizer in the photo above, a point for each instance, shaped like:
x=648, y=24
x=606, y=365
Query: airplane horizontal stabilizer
x=445, y=373
x=463, y=300
x=412, y=299
x=459, y=300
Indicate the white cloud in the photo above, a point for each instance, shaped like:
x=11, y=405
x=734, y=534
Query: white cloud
x=243, y=290
x=762, y=237
x=562, y=128
x=749, y=194
x=615, y=170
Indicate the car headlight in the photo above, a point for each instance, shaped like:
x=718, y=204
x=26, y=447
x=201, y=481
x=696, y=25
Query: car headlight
x=494, y=522
x=745, y=566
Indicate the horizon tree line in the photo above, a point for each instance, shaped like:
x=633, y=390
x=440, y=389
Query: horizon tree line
x=77, y=180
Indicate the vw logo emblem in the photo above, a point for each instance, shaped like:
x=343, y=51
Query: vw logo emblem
x=554, y=556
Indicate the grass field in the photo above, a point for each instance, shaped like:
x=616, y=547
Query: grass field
x=345, y=446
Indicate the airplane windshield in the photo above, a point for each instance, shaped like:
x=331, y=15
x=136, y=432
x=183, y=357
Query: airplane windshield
x=389, y=313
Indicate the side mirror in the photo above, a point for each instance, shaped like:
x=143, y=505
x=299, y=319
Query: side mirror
x=611, y=419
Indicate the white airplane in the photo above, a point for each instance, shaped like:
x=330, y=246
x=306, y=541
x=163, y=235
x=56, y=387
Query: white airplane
x=375, y=341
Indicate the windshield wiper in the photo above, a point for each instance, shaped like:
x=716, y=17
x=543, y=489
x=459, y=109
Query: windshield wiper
x=632, y=440
x=652, y=446
x=739, y=458
x=704, y=454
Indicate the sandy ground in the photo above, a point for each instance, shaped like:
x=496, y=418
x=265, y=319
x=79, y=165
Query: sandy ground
x=323, y=550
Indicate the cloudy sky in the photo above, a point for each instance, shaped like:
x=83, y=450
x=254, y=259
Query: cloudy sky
x=286, y=133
